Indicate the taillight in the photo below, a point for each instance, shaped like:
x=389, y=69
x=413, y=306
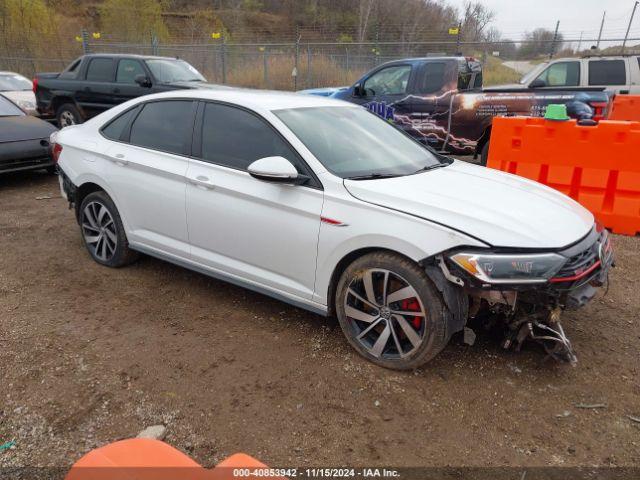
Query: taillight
x=35, y=85
x=599, y=110
x=56, y=151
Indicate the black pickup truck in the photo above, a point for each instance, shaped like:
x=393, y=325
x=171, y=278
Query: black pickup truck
x=94, y=83
x=440, y=101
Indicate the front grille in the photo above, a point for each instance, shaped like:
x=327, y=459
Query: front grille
x=584, y=264
x=580, y=262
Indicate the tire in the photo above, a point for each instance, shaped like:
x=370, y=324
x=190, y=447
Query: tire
x=102, y=231
x=68, y=114
x=484, y=154
x=401, y=349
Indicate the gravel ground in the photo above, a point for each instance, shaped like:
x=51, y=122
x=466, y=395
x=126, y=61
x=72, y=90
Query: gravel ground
x=91, y=355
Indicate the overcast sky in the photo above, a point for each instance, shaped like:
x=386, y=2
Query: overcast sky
x=516, y=16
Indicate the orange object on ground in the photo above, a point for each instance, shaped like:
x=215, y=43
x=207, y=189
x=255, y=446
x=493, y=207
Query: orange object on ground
x=146, y=459
x=625, y=107
x=598, y=166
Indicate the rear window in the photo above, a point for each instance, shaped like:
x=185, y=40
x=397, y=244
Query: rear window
x=100, y=70
x=607, y=72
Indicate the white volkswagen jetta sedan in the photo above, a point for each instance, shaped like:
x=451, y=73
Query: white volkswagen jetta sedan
x=324, y=205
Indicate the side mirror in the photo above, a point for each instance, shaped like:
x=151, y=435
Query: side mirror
x=358, y=91
x=276, y=169
x=143, y=81
x=537, y=83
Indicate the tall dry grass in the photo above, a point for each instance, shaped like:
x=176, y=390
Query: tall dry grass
x=314, y=71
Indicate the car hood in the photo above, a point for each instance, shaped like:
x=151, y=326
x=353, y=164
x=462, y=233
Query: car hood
x=24, y=127
x=501, y=209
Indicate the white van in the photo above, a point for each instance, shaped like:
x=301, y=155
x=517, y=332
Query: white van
x=618, y=74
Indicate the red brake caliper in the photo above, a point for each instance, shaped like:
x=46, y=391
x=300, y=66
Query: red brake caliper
x=412, y=305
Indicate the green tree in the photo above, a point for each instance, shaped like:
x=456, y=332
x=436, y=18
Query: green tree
x=133, y=20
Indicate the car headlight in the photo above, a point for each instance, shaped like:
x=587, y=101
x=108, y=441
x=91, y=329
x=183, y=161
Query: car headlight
x=510, y=268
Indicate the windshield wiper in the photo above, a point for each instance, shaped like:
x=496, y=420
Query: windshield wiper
x=372, y=176
x=431, y=167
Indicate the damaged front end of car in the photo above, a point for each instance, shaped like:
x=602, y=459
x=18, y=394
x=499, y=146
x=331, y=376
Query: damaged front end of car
x=527, y=292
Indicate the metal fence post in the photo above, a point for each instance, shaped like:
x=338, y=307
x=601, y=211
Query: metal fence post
x=265, y=61
x=555, y=39
x=85, y=41
x=309, y=74
x=154, y=44
x=224, y=59
x=295, y=68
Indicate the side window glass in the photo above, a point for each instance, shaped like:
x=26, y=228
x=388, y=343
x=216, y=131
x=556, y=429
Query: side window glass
x=607, y=72
x=163, y=126
x=561, y=74
x=433, y=78
x=389, y=81
x=128, y=70
x=236, y=138
x=114, y=129
x=100, y=70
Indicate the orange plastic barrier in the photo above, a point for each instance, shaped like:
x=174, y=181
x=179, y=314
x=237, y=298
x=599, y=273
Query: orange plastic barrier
x=597, y=166
x=625, y=107
x=146, y=459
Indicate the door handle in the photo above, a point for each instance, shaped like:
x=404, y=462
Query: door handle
x=116, y=90
x=87, y=89
x=119, y=160
x=201, y=182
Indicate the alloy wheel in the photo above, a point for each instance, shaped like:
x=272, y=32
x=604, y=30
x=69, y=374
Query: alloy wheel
x=67, y=119
x=385, y=313
x=99, y=231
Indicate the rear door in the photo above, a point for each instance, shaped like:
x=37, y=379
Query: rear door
x=431, y=104
x=94, y=94
x=148, y=161
x=125, y=87
x=611, y=74
x=265, y=233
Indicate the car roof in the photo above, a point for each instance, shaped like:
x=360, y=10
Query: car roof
x=128, y=55
x=254, y=99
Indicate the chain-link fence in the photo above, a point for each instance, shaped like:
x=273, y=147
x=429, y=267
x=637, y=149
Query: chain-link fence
x=302, y=59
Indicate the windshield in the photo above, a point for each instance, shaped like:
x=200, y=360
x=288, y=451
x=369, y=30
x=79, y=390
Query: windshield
x=169, y=71
x=353, y=142
x=8, y=108
x=13, y=82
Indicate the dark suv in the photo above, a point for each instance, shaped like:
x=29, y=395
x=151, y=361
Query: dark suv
x=94, y=83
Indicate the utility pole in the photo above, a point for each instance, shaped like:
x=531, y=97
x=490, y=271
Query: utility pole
x=555, y=39
x=458, y=39
x=601, y=27
x=624, y=43
x=579, y=43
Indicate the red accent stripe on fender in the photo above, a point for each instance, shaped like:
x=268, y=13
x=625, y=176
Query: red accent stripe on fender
x=578, y=276
x=330, y=221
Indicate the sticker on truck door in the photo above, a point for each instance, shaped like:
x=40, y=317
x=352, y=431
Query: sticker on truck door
x=381, y=109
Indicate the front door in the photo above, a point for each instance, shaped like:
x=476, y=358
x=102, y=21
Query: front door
x=125, y=87
x=387, y=93
x=261, y=232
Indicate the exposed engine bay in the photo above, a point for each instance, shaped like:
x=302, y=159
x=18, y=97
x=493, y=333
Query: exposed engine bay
x=529, y=308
